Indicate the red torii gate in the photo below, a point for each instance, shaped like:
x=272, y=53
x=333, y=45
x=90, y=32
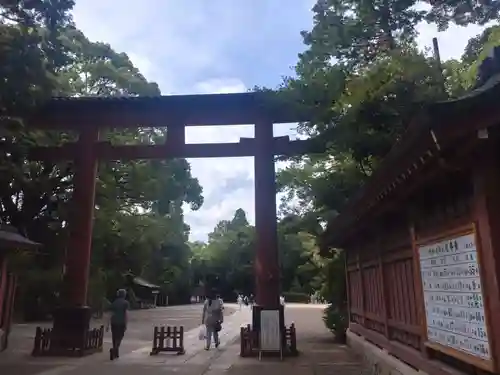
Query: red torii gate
x=88, y=115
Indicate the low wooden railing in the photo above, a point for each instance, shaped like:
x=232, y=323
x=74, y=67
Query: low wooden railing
x=45, y=344
x=168, y=339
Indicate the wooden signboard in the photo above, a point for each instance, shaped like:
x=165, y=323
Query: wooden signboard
x=453, y=299
x=270, y=332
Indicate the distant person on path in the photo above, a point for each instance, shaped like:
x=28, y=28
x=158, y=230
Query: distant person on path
x=212, y=318
x=240, y=301
x=118, y=321
x=221, y=302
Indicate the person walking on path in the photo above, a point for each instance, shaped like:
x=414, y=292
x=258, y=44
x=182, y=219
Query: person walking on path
x=118, y=321
x=221, y=302
x=212, y=318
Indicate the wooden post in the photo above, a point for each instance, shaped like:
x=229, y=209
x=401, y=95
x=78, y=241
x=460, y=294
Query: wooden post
x=176, y=136
x=486, y=208
x=9, y=307
x=383, y=286
x=82, y=219
x=348, y=287
x=362, y=287
x=439, y=67
x=267, y=267
x=419, y=293
x=3, y=289
x=181, y=339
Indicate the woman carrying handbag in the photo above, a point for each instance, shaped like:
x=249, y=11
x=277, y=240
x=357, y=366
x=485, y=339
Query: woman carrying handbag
x=212, y=318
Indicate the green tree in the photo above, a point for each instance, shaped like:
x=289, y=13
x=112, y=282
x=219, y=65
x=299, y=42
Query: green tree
x=226, y=261
x=355, y=33
x=139, y=203
x=152, y=243
x=32, y=195
x=476, y=45
x=462, y=12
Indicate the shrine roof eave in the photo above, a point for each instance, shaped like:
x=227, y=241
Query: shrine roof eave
x=11, y=240
x=173, y=110
x=439, y=123
x=144, y=283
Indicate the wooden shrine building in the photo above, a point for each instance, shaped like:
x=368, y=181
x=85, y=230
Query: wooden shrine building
x=146, y=293
x=10, y=240
x=422, y=242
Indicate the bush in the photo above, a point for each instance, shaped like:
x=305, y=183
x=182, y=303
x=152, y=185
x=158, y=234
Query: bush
x=297, y=297
x=336, y=321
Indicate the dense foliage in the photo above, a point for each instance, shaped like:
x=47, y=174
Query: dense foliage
x=226, y=261
x=139, y=226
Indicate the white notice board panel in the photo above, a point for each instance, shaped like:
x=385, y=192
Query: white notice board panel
x=453, y=298
x=270, y=332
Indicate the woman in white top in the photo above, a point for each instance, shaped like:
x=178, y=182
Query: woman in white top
x=212, y=318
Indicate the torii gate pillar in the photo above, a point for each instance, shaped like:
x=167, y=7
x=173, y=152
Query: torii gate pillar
x=71, y=321
x=267, y=264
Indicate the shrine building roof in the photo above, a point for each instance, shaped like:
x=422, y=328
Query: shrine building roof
x=10, y=239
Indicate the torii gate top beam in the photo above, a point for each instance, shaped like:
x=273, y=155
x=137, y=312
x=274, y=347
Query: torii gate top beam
x=173, y=110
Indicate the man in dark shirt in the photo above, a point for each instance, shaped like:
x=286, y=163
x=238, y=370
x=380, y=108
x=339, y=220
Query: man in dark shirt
x=118, y=321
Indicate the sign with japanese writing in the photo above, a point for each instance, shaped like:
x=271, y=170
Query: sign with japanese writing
x=270, y=332
x=453, y=297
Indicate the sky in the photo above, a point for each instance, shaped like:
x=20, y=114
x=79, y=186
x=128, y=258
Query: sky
x=219, y=46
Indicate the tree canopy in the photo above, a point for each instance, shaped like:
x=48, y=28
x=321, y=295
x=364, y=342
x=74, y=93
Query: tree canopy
x=226, y=261
x=139, y=224
x=364, y=78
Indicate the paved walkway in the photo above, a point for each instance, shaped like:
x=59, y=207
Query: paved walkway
x=318, y=355
x=139, y=331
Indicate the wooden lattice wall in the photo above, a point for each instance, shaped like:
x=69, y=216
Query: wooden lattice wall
x=384, y=292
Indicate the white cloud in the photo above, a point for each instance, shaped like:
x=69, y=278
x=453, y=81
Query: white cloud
x=142, y=63
x=220, y=86
x=213, y=172
x=222, y=46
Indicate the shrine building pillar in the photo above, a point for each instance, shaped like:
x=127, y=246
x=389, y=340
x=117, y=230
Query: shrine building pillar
x=72, y=320
x=486, y=208
x=267, y=264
